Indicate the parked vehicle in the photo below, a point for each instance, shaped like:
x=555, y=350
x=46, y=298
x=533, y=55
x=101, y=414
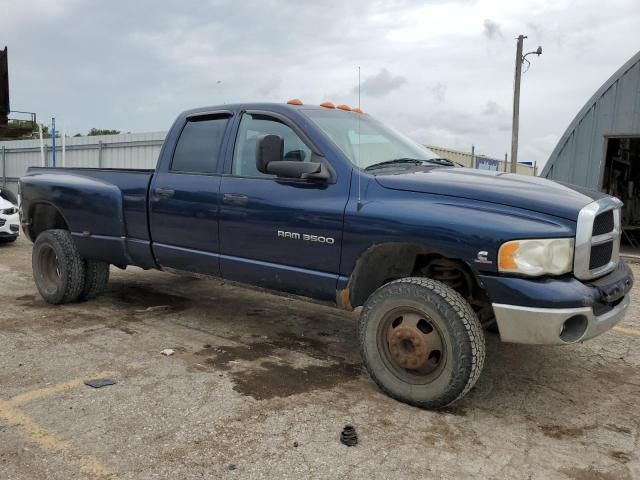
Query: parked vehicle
x=331, y=204
x=9, y=218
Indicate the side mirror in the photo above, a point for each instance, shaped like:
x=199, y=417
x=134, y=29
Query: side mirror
x=270, y=148
x=296, y=169
x=270, y=159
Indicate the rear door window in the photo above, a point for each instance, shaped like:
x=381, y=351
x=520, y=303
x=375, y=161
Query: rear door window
x=199, y=145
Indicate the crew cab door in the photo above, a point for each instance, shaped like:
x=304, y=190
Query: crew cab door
x=283, y=234
x=184, y=197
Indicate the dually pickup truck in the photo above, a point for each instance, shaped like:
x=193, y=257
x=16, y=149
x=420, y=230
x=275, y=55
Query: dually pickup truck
x=327, y=203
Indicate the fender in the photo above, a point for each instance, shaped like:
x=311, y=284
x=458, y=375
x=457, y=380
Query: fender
x=87, y=204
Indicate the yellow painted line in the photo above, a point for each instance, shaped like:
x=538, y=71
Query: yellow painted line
x=60, y=387
x=47, y=440
x=50, y=441
x=629, y=330
x=15, y=417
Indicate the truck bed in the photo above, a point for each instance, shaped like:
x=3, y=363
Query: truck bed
x=108, y=204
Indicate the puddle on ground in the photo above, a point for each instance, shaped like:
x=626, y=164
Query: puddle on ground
x=270, y=377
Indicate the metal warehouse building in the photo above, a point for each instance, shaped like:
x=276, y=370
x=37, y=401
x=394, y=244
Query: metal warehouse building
x=601, y=147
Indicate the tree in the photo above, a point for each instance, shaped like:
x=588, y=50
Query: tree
x=99, y=131
x=47, y=134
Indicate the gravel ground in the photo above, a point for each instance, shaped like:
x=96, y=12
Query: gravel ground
x=260, y=386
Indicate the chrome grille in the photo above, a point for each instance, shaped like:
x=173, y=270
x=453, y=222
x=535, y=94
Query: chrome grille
x=597, y=239
x=600, y=255
x=603, y=223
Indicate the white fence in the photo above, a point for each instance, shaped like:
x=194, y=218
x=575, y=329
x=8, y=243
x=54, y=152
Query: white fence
x=132, y=150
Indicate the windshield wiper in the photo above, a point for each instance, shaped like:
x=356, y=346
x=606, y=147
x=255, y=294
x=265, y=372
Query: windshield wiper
x=445, y=162
x=412, y=161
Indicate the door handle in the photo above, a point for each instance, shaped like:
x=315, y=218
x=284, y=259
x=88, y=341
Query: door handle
x=164, y=192
x=235, y=199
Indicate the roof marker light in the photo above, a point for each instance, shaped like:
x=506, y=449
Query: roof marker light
x=327, y=105
x=295, y=101
x=356, y=110
x=344, y=107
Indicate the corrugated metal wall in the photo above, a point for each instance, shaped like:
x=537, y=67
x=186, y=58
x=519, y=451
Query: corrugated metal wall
x=131, y=150
x=614, y=110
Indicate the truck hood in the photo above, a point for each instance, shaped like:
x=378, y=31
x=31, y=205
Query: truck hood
x=531, y=193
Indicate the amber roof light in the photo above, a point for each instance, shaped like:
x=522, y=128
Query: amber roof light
x=356, y=110
x=344, y=107
x=327, y=105
x=295, y=101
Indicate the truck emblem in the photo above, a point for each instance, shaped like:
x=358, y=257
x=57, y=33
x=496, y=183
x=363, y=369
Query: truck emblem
x=482, y=257
x=306, y=237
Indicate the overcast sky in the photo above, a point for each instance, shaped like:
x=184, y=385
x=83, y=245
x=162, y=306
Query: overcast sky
x=440, y=71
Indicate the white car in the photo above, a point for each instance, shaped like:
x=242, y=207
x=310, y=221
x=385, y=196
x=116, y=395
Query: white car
x=9, y=221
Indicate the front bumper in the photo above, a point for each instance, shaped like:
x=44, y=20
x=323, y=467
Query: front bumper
x=557, y=311
x=555, y=326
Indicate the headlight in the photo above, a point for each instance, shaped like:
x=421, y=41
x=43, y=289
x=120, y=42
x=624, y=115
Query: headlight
x=535, y=257
x=9, y=211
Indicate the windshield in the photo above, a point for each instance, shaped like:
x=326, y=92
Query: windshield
x=366, y=141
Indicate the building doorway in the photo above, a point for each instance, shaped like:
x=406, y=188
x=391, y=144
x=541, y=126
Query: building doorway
x=621, y=178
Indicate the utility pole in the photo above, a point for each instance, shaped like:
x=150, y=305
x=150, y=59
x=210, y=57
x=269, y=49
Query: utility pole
x=520, y=59
x=515, y=125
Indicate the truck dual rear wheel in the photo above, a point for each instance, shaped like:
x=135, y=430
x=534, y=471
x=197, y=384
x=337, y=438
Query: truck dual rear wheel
x=96, y=277
x=421, y=342
x=58, y=269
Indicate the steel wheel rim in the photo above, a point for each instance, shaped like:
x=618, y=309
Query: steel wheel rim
x=49, y=268
x=412, y=345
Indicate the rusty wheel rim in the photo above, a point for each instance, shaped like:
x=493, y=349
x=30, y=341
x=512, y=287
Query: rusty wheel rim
x=412, y=345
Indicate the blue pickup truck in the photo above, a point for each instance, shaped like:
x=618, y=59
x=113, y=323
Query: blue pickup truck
x=327, y=203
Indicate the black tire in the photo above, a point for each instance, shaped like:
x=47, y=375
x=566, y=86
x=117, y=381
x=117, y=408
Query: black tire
x=447, y=372
x=96, y=277
x=58, y=269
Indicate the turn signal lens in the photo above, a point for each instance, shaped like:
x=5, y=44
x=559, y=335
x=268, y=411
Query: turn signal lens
x=535, y=257
x=507, y=256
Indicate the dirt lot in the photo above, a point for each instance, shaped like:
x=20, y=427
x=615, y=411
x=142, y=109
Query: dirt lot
x=260, y=387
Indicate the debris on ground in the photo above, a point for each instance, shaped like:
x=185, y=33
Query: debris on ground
x=167, y=352
x=232, y=466
x=295, y=444
x=349, y=437
x=99, y=382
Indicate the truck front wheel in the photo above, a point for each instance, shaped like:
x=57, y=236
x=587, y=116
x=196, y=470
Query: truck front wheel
x=421, y=342
x=58, y=269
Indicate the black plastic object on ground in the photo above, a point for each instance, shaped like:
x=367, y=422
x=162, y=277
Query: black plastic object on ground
x=349, y=436
x=99, y=382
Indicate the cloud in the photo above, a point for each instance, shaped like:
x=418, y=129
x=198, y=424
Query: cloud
x=439, y=91
x=436, y=69
x=492, y=108
x=492, y=29
x=380, y=84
